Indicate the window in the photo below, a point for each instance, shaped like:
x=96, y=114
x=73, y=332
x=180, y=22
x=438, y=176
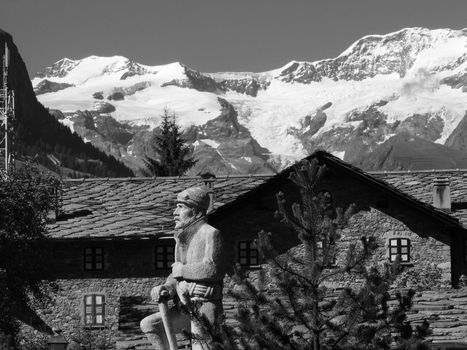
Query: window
x=248, y=253
x=164, y=257
x=94, y=310
x=399, y=247
x=93, y=259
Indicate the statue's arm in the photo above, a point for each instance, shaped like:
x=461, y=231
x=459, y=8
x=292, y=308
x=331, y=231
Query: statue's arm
x=209, y=268
x=169, y=286
x=170, y=282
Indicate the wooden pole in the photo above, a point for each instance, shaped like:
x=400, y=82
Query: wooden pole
x=164, y=310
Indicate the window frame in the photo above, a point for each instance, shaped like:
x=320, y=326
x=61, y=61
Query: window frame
x=248, y=250
x=398, y=247
x=163, y=257
x=94, y=259
x=94, y=313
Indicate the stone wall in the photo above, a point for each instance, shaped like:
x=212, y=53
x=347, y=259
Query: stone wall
x=430, y=260
x=66, y=310
x=122, y=258
x=129, y=272
x=445, y=310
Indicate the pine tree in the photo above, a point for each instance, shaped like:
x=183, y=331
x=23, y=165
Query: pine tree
x=300, y=310
x=173, y=158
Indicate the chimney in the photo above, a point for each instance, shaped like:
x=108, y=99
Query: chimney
x=442, y=194
x=208, y=179
x=55, y=211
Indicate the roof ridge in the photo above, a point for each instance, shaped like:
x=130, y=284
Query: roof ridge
x=92, y=179
x=263, y=175
x=396, y=172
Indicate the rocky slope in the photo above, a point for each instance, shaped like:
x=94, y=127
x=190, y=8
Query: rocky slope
x=405, y=151
x=411, y=82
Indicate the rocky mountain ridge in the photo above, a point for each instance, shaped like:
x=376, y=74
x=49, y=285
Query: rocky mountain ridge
x=411, y=82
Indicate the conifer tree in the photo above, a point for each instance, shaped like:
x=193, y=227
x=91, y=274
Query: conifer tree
x=173, y=158
x=301, y=309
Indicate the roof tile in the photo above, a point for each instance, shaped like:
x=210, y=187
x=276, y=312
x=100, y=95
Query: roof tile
x=143, y=207
x=136, y=207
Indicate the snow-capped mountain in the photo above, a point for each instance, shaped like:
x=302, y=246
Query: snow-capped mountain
x=411, y=82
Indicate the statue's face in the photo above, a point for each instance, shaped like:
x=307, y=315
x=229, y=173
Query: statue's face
x=184, y=215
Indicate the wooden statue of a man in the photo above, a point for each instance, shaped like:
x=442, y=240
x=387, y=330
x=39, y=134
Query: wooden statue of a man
x=196, y=276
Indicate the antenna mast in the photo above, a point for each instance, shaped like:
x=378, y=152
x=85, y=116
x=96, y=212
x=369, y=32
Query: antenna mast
x=7, y=116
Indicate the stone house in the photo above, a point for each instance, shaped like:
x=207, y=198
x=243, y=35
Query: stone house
x=112, y=242
x=111, y=239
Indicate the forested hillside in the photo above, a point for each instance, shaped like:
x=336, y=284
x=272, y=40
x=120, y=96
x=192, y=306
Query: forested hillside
x=44, y=135
x=38, y=135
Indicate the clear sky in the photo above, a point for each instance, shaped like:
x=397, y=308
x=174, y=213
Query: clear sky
x=211, y=35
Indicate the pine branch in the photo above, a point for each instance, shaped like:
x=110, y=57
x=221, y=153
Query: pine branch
x=304, y=314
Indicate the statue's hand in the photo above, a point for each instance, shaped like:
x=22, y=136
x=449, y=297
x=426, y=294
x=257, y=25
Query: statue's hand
x=177, y=270
x=160, y=292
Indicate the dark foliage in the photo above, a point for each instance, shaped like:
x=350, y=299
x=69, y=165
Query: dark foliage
x=172, y=157
x=26, y=198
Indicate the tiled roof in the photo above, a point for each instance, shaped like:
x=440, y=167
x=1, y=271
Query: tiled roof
x=133, y=207
x=380, y=181
x=419, y=184
x=142, y=207
x=420, y=196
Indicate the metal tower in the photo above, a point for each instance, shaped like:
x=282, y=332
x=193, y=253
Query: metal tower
x=7, y=116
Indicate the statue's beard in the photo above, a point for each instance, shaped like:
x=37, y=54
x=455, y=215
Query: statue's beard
x=182, y=224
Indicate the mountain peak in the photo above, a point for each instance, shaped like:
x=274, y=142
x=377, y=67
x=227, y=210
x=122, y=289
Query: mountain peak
x=59, y=69
x=408, y=49
x=413, y=39
x=79, y=71
x=410, y=80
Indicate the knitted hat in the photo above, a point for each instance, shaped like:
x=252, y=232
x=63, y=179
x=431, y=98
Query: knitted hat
x=195, y=197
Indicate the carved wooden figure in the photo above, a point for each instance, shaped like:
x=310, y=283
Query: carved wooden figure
x=197, y=273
